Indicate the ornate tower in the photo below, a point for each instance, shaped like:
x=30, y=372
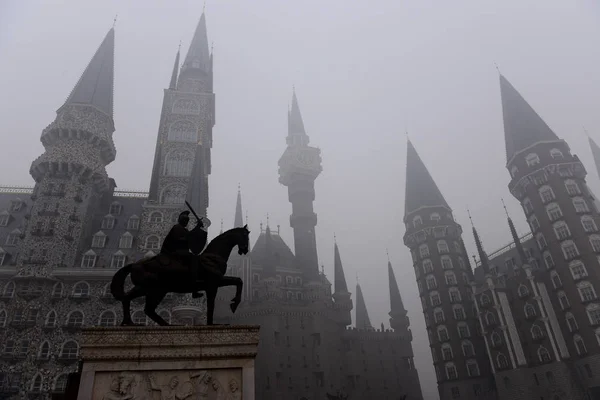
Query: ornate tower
x=70, y=176
x=341, y=296
x=182, y=156
x=299, y=166
x=443, y=275
x=549, y=182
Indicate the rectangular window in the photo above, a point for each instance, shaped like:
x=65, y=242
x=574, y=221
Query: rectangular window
x=570, y=251
x=534, y=223
x=459, y=313
x=562, y=231
x=594, y=315
x=587, y=293
x=463, y=331
x=578, y=271
x=118, y=261
x=580, y=205
x=547, y=195
x=435, y=299
x=554, y=212
x=588, y=225
x=98, y=241
x=572, y=324
x=133, y=223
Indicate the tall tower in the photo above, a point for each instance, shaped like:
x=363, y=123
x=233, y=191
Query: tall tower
x=398, y=314
x=443, y=277
x=299, y=166
x=549, y=182
x=341, y=297
x=70, y=176
x=362, y=314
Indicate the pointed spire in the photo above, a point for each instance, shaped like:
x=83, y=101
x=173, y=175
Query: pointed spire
x=523, y=127
x=515, y=236
x=295, y=122
x=362, y=315
x=238, y=219
x=95, y=87
x=397, y=307
x=198, y=55
x=595, y=152
x=483, y=258
x=173, y=83
x=338, y=272
x=421, y=190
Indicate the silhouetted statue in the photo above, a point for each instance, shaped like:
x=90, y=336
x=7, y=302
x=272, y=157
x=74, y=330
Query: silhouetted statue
x=181, y=272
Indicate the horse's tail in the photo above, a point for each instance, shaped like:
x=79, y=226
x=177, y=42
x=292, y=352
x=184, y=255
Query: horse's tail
x=117, y=285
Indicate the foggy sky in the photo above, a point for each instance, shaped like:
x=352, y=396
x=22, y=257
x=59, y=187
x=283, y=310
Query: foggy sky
x=364, y=71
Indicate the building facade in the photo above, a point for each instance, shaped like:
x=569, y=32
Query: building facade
x=534, y=301
x=62, y=240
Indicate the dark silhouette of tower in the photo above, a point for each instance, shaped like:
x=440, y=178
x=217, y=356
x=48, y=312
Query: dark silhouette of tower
x=299, y=166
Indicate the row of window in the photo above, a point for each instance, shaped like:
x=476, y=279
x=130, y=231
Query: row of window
x=452, y=371
x=442, y=247
x=444, y=336
x=13, y=382
x=76, y=318
x=554, y=212
x=99, y=240
x=69, y=350
x=418, y=220
x=80, y=289
x=447, y=354
x=449, y=276
x=453, y=292
x=439, y=316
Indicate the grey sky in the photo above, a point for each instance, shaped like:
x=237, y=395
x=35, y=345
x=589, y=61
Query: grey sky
x=364, y=71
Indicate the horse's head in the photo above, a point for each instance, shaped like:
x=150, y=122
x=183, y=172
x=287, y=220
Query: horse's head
x=243, y=240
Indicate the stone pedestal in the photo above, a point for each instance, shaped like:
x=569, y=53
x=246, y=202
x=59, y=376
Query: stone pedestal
x=183, y=362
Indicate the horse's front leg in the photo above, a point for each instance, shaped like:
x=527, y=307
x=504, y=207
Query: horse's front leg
x=239, y=284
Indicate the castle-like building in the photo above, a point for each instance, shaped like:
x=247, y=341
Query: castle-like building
x=525, y=324
x=62, y=240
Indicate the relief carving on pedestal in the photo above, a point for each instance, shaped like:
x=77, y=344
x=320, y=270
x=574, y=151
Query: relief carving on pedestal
x=169, y=385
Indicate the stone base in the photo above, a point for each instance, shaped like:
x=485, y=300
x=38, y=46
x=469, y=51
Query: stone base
x=187, y=362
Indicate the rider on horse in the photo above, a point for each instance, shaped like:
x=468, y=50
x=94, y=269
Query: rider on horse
x=179, y=241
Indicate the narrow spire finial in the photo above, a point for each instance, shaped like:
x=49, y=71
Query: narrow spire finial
x=246, y=217
x=388, y=254
x=334, y=238
x=278, y=228
x=586, y=131
x=357, y=278
x=115, y=20
x=239, y=187
x=212, y=47
x=179, y=48
x=504, y=205
x=470, y=218
x=323, y=269
x=221, y=225
x=204, y=7
x=267, y=220
x=261, y=226
x=497, y=68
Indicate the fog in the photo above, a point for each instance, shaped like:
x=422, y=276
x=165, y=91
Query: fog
x=365, y=73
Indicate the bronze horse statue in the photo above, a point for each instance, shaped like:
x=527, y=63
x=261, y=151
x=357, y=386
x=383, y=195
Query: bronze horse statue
x=154, y=280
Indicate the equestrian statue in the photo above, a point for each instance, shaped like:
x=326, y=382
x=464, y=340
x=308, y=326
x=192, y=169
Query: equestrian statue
x=180, y=267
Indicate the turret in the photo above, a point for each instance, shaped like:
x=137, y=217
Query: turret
x=341, y=296
x=362, y=315
x=398, y=314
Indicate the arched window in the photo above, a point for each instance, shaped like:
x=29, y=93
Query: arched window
x=69, y=350
x=126, y=241
x=133, y=222
x=593, y=312
x=434, y=217
x=183, y=131
x=556, y=154
x=81, y=289
x=463, y=330
x=554, y=212
x=447, y=354
x=523, y=291
x=472, y=368
x=424, y=250
x=467, y=348
x=556, y=281
x=450, y=278
x=484, y=299
x=156, y=217
x=578, y=270
x=490, y=318
x=3, y=318
x=139, y=318
x=173, y=194
x=588, y=223
x=541, y=241
x=431, y=282
x=572, y=187
x=60, y=384
x=532, y=159
x=571, y=322
x=563, y=300
x=501, y=361
x=459, y=312
x=454, y=293
x=548, y=260
x=427, y=266
x=442, y=246
x=496, y=339
x=435, y=299
x=44, y=352
x=107, y=318
x=451, y=371
x=179, y=163
x=9, y=290
x=547, y=194
x=544, y=355
x=89, y=259
x=586, y=291
x=438, y=315
x=152, y=242
x=36, y=383
x=569, y=249
x=51, y=319
x=595, y=242
x=562, y=231
x=75, y=319
x=446, y=262
x=442, y=332
x=536, y=332
x=417, y=221
x=580, y=205
x=529, y=311
x=57, y=290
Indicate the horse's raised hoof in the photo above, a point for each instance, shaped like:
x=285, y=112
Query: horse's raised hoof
x=234, y=305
